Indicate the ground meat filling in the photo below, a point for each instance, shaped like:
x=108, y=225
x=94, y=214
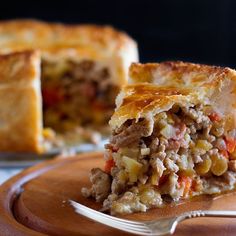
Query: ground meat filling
x=101, y=185
x=76, y=94
x=186, y=153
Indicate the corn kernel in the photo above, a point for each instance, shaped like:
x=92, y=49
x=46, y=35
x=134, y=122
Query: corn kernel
x=219, y=165
x=203, y=144
x=203, y=167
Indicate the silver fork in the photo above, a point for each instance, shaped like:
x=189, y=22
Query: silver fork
x=154, y=227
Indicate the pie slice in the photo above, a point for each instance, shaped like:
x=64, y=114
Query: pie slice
x=20, y=102
x=82, y=70
x=173, y=137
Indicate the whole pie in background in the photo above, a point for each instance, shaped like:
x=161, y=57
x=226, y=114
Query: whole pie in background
x=82, y=69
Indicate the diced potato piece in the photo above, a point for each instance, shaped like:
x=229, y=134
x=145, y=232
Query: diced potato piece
x=132, y=167
x=145, y=151
x=203, y=167
x=168, y=131
x=130, y=152
x=154, y=179
x=219, y=165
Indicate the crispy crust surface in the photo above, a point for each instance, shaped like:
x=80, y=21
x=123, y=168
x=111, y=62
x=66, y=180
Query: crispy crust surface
x=179, y=74
x=20, y=101
x=22, y=34
x=157, y=87
x=76, y=42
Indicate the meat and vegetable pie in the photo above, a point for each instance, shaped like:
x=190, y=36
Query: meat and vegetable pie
x=20, y=102
x=82, y=70
x=173, y=136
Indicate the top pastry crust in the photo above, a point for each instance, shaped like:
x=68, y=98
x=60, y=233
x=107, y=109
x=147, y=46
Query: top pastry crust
x=156, y=87
x=20, y=102
x=77, y=42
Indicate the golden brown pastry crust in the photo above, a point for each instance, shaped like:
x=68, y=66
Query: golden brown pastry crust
x=77, y=42
x=20, y=102
x=157, y=87
x=178, y=73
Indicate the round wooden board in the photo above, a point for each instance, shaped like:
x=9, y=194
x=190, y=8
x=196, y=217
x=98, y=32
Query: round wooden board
x=35, y=203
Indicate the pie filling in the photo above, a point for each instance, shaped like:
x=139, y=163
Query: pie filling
x=76, y=95
x=184, y=152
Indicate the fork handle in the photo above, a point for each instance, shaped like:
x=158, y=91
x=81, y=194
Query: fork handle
x=200, y=213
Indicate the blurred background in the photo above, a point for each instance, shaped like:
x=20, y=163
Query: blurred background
x=201, y=31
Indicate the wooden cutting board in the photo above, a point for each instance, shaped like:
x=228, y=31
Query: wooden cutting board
x=35, y=203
